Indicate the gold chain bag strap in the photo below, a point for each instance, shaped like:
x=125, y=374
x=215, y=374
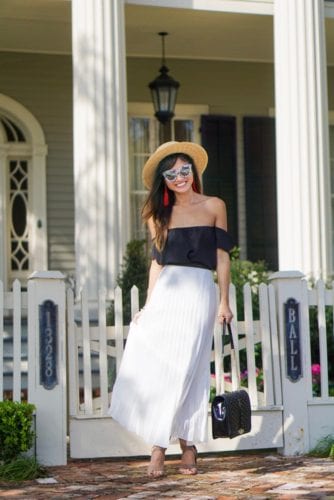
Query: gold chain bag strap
x=231, y=411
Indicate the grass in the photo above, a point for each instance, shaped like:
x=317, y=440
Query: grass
x=21, y=469
x=324, y=448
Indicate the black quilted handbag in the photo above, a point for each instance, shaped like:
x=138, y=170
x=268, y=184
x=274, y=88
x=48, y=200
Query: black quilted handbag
x=230, y=412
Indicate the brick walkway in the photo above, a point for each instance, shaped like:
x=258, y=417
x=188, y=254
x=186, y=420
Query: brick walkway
x=258, y=476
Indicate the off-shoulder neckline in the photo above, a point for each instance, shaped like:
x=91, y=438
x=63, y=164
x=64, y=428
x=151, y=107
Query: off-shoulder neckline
x=194, y=227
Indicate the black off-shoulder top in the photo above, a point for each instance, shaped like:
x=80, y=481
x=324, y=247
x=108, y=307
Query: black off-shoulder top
x=194, y=246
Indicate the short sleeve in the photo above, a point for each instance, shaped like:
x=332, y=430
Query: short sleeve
x=224, y=240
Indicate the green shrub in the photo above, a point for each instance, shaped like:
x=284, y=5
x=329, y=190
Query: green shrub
x=245, y=271
x=16, y=433
x=134, y=272
x=212, y=394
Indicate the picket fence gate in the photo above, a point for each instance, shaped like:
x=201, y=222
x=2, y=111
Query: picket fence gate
x=94, y=433
x=286, y=415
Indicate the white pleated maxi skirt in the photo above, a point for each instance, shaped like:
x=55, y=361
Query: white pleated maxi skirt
x=162, y=389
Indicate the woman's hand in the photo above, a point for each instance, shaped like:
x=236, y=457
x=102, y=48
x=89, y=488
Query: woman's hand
x=224, y=313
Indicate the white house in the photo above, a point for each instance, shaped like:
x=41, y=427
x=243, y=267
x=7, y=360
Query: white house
x=77, y=123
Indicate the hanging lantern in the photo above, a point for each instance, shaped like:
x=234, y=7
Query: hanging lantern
x=164, y=89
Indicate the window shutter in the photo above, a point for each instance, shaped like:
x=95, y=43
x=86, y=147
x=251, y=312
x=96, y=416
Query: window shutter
x=260, y=178
x=220, y=178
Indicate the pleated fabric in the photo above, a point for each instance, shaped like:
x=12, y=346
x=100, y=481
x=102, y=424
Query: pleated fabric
x=162, y=388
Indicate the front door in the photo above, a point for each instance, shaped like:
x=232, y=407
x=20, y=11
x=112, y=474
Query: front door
x=22, y=202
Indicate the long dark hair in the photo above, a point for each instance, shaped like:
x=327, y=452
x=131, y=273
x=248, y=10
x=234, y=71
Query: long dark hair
x=154, y=206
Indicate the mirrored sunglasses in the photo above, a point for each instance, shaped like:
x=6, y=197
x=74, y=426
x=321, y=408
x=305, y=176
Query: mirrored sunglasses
x=171, y=175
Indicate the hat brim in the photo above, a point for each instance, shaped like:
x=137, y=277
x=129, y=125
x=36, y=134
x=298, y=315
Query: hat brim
x=196, y=152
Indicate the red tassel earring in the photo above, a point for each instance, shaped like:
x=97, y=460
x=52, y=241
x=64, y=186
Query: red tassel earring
x=194, y=187
x=166, y=197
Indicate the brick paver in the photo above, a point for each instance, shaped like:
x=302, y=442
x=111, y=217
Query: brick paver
x=258, y=476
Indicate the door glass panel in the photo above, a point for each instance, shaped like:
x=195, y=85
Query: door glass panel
x=18, y=218
x=19, y=215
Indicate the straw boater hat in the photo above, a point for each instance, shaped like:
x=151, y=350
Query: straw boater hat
x=195, y=151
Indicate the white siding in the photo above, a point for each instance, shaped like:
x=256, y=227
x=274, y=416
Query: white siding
x=43, y=84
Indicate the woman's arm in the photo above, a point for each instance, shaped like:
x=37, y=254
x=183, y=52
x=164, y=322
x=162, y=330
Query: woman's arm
x=155, y=268
x=223, y=275
x=223, y=264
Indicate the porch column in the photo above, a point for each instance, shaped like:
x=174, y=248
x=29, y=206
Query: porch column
x=100, y=141
x=303, y=177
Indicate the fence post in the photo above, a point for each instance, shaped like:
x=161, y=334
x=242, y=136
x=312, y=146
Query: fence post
x=292, y=324
x=47, y=364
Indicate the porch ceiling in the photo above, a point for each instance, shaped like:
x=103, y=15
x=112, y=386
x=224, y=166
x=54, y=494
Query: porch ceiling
x=195, y=34
x=45, y=26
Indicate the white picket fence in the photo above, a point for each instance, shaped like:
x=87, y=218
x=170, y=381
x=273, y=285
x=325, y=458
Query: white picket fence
x=13, y=343
x=267, y=404
x=85, y=340
x=285, y=415
x=101, y=345
x=321, y=297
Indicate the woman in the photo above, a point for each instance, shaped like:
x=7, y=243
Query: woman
x=162, y=389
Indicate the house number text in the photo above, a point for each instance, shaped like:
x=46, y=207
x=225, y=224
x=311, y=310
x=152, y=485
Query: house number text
x=48, y=333
x=292, y=335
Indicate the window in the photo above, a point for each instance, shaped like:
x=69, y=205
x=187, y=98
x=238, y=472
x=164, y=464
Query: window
x=144, y=138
